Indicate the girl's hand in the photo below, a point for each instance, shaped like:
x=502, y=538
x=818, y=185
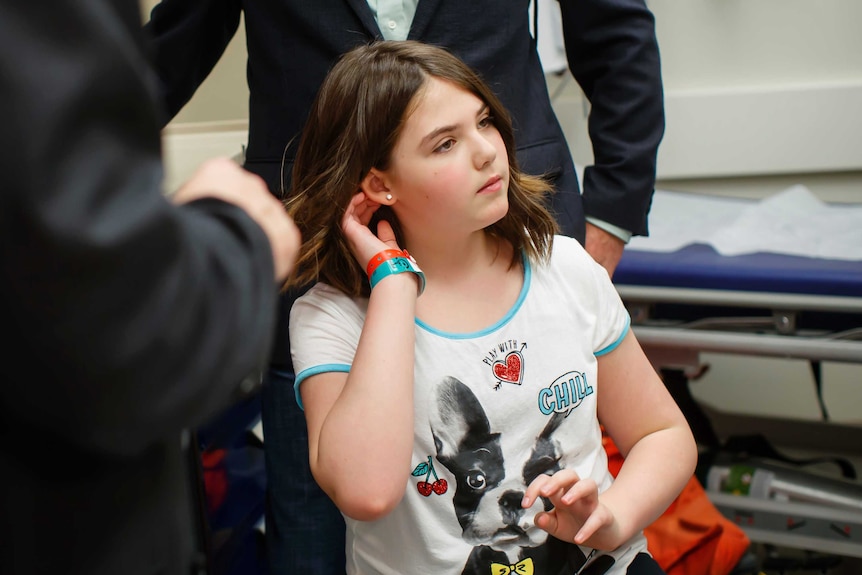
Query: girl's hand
x=363, y=242
x=578, y=514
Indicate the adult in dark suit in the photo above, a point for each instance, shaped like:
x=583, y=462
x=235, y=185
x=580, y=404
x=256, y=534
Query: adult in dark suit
x=613, y=54
x=127, y=317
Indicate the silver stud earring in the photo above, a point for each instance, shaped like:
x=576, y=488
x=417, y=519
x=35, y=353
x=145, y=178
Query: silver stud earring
x=389, y=197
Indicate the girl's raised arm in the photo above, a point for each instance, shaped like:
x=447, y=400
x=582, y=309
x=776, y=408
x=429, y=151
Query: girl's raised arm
x=360, y=424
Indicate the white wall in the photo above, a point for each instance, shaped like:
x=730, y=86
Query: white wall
x=760, y=95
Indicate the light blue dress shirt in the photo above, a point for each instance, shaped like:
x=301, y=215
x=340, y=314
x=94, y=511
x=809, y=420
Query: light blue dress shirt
x=394, y=17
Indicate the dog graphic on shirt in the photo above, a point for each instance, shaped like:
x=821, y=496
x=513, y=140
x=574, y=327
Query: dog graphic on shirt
x=492, y=475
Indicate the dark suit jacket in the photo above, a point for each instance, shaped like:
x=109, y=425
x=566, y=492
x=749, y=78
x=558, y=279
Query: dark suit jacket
x=611, y=48
x=126, y=319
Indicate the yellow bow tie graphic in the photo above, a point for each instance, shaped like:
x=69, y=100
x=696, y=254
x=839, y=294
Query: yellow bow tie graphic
x=524, y=567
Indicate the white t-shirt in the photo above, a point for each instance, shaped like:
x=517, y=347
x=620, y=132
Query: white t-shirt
x=493, y=409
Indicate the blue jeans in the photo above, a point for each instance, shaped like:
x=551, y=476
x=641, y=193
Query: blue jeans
x=304, y=530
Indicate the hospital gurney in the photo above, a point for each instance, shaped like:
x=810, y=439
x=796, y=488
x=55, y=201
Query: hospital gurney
x=695, y=300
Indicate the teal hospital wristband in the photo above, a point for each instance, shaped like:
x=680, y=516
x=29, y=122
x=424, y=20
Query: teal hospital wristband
x=397, y=265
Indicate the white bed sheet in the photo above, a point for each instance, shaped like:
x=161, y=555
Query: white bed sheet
x=792, y=222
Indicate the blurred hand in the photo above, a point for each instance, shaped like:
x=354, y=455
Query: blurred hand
x=225, y=180
x=606, y=248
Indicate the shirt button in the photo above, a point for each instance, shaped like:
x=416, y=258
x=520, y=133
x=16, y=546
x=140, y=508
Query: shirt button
x=392, y=24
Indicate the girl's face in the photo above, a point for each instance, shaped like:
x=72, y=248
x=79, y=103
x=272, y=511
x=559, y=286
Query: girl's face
x=449, y=171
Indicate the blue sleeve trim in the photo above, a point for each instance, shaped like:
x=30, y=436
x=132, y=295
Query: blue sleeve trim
x=618, y=341
x=306, y=373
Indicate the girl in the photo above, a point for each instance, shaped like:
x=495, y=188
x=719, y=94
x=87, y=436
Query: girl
x=453, y=411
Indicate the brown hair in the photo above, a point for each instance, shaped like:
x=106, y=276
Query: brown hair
x=353, y=126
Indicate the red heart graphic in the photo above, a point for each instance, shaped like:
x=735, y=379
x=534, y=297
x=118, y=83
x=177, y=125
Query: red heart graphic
x=511, y=370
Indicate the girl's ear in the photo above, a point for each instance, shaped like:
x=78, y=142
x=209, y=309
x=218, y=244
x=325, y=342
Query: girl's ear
x=375, y=188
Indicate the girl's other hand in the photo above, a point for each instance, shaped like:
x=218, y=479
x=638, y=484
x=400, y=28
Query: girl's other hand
x=363, y=242
x=578, y=515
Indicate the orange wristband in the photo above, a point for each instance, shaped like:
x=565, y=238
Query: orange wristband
x=382, y=257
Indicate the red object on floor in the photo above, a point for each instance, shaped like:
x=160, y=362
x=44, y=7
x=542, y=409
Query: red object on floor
x=215, y=478
x=691, y=537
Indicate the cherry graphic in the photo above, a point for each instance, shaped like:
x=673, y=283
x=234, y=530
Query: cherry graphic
x=440, y=486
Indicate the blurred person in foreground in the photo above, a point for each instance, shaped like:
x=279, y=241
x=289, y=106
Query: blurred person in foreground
x=129, y=316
